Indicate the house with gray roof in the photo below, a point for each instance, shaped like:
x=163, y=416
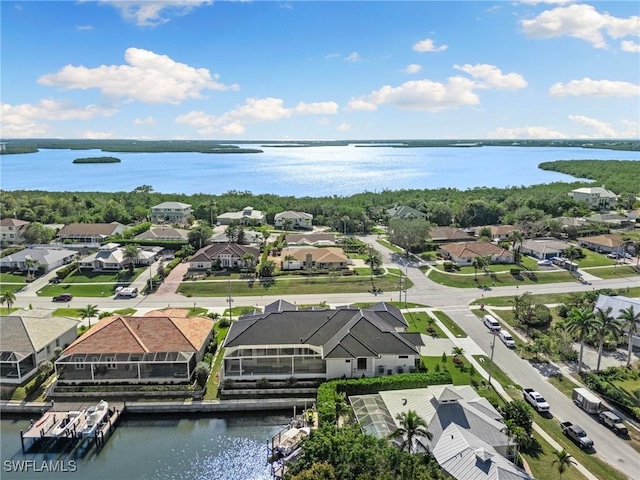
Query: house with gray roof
x=164, y=232
x=617, y=304
x=28, y=337
x=171, y=212
x=310, y=239
x=543, y=248
x=223, y=255
x=294, y=219
x=595, y=197
x=246, y=216
x=249, y=237
x=110, y=257
x=286, y=341
x=47, y=258
x=405, y=212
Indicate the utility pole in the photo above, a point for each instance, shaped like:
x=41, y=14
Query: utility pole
x=493, y=347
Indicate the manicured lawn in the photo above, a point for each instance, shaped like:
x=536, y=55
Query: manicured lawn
x=78, y=290
x=620, y=271
x=548, y=298
x=496, y=373
x=526, y=264
x=450, y=324
x=239, y=311
x=460, y=375
x=500, y=279
x=125, y=311
x=390, y=246
x=541, y=463
x=593, y=259
x=99, y=277
x=395, y=304
x=213, y=383
x=66, y=312
x=563, y=384
x=278, y=286
x=197, y=312
x=396, y=271
x=12, y=278
x=7, y=311
x=367, y=271
x=419, y=322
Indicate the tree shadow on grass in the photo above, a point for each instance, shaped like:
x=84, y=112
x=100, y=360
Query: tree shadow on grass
x=534, y=450
x=267, y=283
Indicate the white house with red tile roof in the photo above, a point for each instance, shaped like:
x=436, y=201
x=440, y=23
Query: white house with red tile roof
x=463, y=253
x=320, y=258
x=608, y=242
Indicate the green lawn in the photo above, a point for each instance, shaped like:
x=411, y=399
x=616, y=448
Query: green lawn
x=12, y=278
x=99, y=277
x=197, y=312
x=499, y=280
x=395, y=304
x=7, y=311
x=450, y=324
x=526, y=264
x=239, y=311
x=390, y=246
x=78, y=290
x=419, y=321
x=125, y=311
x=66, y=312
x=541, y=463
x=593, y=259
x=496, y=373
x=461, y=375
x=548, y=298
x=563, y=384
x=279, y=286
x=615, y=272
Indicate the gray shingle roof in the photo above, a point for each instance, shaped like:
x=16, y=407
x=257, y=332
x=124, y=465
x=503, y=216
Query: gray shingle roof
x=31, y=330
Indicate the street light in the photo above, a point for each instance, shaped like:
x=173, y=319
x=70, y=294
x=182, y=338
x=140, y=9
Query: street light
x=493, y=347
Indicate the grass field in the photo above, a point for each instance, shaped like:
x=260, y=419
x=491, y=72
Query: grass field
x=7, y=311
x=98, y=277
x=548, y=298
x=496, y=373
x=12, y=278
x=78, y=290
x=460, y=375
x=593, y=259
x=450, y=324
x=499, y=280
x=527, y=263
x=541, y=463
x=419, y=321
x=620, y=271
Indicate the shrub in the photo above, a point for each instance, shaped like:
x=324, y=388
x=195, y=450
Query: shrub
x=291, y=381
x=228, y=384
x=224, y=323
x=67, y=270
x=201, y=373
x=515, y=272
x=263, y=383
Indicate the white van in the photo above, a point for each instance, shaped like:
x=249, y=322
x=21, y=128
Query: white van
x=491, y=323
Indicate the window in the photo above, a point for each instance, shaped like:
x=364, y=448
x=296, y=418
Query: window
x=48, y=349
x=79, y=366
x=403, y=356
x=110, y=364
x=362, y=364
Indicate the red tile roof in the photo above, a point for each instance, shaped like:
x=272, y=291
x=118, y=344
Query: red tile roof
x=474, y=249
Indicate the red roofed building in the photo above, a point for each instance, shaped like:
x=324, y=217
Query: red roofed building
x=463, y=253
x=160, y=347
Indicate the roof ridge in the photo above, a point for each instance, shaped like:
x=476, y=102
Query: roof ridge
x=182, y=333
x=135, y=335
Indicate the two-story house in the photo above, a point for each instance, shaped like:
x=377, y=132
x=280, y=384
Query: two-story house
x=11, y=230
x=171, y=212
x=293, y=220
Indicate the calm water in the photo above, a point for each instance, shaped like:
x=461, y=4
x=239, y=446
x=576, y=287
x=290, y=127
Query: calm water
x=232, y=447
x=297, y=171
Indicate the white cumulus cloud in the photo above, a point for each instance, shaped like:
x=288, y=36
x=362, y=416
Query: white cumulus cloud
x=97, y=135
x=361, y=104
x=322, y=108
x=594, y=88
x=412, y=68
x=630, y=46
x=144, y=121
x=490, y=76
x=601, y=129
x=580, y=21
x=151, y=13
x=147, y=77
x=525, y=132
x=427, y=45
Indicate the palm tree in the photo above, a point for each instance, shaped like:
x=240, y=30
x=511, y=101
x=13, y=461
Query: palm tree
x=605, y=324
x=342, y=407
x=288, y=223
x=581, y=323
x=479, y=262
x=457, y=351
x=131, y=255
x=629, y=320
x=289, y=259
x=89, y=312
x=571, y=253
x=8, y=297
x=563, y=459
x=518, y=434
x=374, y=259
x=516, y=238
x=32, y=265
x=249, y=261
x=410, y=425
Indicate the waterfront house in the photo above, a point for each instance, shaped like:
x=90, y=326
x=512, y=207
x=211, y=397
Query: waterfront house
x=110, y=257
x=597, y=198
x=285, y=342
x=11, y=230
x=222, y=255
x=449, y=234
x=326, y=258
x=171, y=212
x=89, y=233
x=296, y=220
x=46, y=259
x=617, y=304
x=246, y=216
x=164, y=233
x=310, y=239
x=161, y=347
x=28, y=337
x=606, y=243
x=468, y=438
x=543, y=248
x=405, y=212
x=463, y=253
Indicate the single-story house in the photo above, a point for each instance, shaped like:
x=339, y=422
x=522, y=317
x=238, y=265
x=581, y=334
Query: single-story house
x=246, y=216
x=28, y=337
x=543, y=248
x=463, y=253
x=567, y=222
x=171, y=212
x=613, y=220
x=161, y=347
x=296, y=219
x=501, y=232
x=47, y=258
x=315, y=239
x=607, y=243
x=225, y=255
x=89, y=232
x=617, y=304
x=468, y=438
x=250, y=237
x=164, y=232
x=595, y=197
x=405, y=212
x=11, y=230
x=320, y=344
x=449, y=234
x=110, y=257
x=325, y=258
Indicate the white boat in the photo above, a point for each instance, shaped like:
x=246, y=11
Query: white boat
x=94, y=417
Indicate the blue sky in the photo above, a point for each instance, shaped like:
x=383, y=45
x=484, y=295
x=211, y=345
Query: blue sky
x=242, y=70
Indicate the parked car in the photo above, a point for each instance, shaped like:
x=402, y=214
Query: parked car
x=491, y=323
x=507, y=339
x=63, y=297
x=536, y=400
x=545, y=263
x=577, y=434
x=613, y=421
x=612, y=255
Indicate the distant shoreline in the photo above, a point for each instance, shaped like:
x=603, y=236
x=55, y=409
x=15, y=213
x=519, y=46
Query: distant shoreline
x=97, y=160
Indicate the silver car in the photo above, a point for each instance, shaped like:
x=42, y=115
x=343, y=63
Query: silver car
x=507, y=339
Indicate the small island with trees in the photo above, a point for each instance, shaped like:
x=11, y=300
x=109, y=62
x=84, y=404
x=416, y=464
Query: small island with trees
x=97, y=160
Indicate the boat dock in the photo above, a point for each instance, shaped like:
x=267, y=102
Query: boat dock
x=72, y=431
x=285, y=446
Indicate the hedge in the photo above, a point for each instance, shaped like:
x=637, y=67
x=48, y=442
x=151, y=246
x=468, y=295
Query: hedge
x=64, y=272
x=370, y=385
x=601, y=384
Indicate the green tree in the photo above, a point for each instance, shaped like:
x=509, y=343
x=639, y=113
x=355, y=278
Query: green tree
x=516, y=434
x=629, y=320
x=201, y=373
x=581, y=324
x=606, y=325
x=232, y=232
x=32, y=267
x=199, y=236
x=45, y=367
x=373, y=259
x=520, y=413
x=517, y=239
x=457, y=352
x=563, y=460
x=571, y=253
x=288, y=259
x=249, y=260
x=411, y=425
x=8, y=297
x=37, y=233
x=288, y=224
x=267, y=269
x=317, y=471
x=131, y=255
x=89, y=312
x=341, y=405
x=481, y=262
x=408, y=234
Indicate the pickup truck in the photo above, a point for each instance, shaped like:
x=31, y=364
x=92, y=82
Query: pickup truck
x=613, y=421
x=577, y=434
x=536, y=400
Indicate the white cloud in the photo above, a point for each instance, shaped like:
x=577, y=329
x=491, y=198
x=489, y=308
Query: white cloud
x=84, y=27
x=490, y=76
x=353, y=57
x=150, y=13
x=361, y=104
x=596, y=88
x=148, y=77
x=144, y=121
x=322, y=108
x=536, y=2
x=580, y=21
x=24, y=120
x=630, y=46
x=602, y=129
x=97, y=135
x=632, y=129
x=525, y=132
x=332, y=55
x=427, y=45
x=412, y=68
x=344, y=127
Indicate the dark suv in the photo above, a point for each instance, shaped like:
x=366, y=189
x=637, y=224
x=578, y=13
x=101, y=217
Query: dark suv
x=63, y=297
